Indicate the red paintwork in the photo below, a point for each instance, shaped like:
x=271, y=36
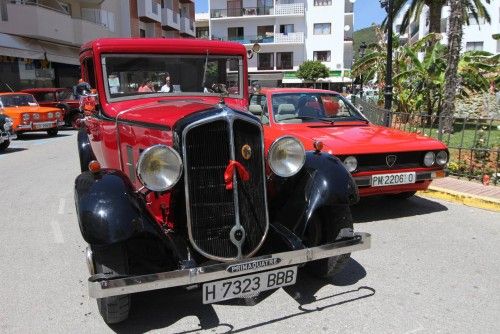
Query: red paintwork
x=353, y=138
x=164, y=111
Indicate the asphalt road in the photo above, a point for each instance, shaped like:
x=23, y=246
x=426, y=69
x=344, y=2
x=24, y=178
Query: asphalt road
x=433, y=267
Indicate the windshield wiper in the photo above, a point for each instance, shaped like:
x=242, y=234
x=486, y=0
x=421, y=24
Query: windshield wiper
x=332, y=121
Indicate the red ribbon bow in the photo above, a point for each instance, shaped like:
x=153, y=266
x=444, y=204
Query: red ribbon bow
x=229, y=173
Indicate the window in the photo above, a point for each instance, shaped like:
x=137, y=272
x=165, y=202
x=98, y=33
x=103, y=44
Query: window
x=235, y=33
x=142, y=33
x=202, y=32
x=322, y=2
x=322, y=55
x=286, y=29
x=474, y=46
x=322, y=28
x=284, y=60
x=66, y=6
x=265, y=61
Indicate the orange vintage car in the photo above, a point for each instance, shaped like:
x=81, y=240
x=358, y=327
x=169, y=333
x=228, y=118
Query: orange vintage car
x=28, y=116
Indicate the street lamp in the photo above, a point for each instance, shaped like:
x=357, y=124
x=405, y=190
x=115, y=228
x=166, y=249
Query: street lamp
x=361, y=53
x=387, y=5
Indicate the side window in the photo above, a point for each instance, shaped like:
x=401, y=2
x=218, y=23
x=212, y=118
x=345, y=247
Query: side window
x=89, y=71
x=258, y=107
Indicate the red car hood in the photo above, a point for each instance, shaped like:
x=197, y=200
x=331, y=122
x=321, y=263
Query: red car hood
x=361, y=139
x=163, y=112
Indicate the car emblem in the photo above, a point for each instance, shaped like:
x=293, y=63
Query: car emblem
x=390, y=160
x=246, y=151
x=253, y=265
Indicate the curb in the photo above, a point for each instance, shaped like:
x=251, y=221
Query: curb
x=476, y=201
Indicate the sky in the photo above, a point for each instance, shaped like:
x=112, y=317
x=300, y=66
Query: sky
x=365, y=12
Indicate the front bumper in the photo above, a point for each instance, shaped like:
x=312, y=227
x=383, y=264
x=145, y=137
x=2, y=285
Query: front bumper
x=101, y=286
x=40, y=126
x=366, y=181
x=7, y=136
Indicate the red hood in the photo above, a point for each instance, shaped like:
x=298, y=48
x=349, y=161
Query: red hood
x=163, y=111
x=361, y=139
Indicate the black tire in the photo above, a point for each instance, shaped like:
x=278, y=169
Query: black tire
x=112, y=259
x=73, y=119
x=4, y=145
x=323, y=230
x=405, y=195
x=52, y=132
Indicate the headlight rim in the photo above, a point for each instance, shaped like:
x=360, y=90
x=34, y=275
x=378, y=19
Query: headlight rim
x=436, y=158
x=26, y=117
x=141, y=159
x=275, y=143
x=357, y=164
x=433, y=159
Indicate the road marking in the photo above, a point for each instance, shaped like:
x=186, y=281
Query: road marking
x=56, y=229
x=62, y=202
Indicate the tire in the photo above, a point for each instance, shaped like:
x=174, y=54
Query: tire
x=404, y=195
x=4, y=145
x=323, y=230
x=73, y=120
x=112, y=259
x=52, y=132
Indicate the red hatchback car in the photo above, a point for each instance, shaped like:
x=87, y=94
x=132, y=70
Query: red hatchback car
x=62, y=98
x=381, y=160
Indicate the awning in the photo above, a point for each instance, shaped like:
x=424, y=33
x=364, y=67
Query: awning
x=329, y=79
x=23, y=47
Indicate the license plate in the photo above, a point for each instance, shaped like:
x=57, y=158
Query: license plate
x=43, y=125
x=393, y=179
x=248, y=285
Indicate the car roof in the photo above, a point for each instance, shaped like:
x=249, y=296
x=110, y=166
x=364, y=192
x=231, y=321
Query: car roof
x=268, y=90
x=43, y=90
x=163, y=45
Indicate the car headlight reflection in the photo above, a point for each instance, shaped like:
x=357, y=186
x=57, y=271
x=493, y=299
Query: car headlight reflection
x=351, y=163
x=442, y=158
x=159, y=168
x=429, y=159
x=286, y=156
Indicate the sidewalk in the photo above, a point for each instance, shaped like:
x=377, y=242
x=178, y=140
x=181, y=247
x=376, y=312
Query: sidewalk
x=465, y=192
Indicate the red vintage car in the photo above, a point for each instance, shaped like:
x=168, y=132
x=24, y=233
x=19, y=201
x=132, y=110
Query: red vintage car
x=62, y=98
x=381, y=160
x=178, y=187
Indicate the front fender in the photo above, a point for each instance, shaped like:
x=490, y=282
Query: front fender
x=109, y=210
x=323, y=182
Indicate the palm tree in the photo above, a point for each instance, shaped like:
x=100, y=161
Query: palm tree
x=471, y=9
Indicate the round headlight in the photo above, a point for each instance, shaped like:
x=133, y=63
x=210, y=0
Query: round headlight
x=429, y=159
x=159, y=168
x=442, y=158
x=286, y=156
x=351, y=163
x=26, y=117
x=51, y=115
x=58, y=114
x=36, y=116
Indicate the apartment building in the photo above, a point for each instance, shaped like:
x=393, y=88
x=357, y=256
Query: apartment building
x=40, y=39
x=288, y=32
x=477, y=36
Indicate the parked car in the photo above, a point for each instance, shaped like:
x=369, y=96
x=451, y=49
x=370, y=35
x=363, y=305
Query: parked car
x=381, y=160
x=176, y=188
x=28, y=116
x=61, y=98
x=6, y=133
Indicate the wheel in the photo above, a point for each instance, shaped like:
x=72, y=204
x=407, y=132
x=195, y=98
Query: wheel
x=74, y=118
x=52, y=132
x=4, y=145
x=405, y=195
x=323, y=230
x=112, y=259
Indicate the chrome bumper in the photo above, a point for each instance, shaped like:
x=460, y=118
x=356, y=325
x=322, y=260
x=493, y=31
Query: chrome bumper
x=40, y=126
x=4, y=136
x=366, y=181
x=100, y=288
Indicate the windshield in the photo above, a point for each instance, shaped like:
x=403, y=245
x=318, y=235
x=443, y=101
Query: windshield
x=133, y=76
x=309, y=107
x=13, y=100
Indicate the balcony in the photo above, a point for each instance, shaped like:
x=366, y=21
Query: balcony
x=187, y=26
x=290, y=38
x=170, y=19
x=291, y=9
x=149, y=10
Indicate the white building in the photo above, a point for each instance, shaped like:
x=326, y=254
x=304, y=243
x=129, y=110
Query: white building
x=289, y=32
x=476, y=36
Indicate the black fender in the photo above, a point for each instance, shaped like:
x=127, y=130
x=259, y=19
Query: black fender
x=84, y=149
x=109, y=210
x=322, y=184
